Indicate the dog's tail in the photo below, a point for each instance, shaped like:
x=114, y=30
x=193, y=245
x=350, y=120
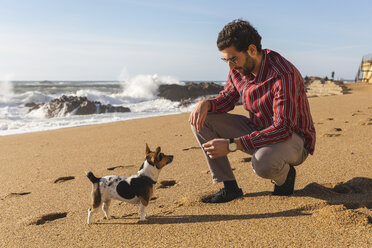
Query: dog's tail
x=92, y=177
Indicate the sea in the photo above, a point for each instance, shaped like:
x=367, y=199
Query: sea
x=139, y=94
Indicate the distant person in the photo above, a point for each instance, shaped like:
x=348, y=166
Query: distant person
x=333, y=75
x=279, y=132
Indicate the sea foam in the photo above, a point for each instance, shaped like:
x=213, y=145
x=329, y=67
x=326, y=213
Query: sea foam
x=145, y=87
x=138, y=93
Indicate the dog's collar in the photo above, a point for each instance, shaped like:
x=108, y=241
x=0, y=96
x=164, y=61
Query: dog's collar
x=149, y=162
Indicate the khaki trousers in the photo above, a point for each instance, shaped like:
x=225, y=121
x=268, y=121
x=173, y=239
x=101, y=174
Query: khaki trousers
x=270, y=162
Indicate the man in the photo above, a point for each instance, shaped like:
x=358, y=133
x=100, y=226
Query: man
x=279, y=133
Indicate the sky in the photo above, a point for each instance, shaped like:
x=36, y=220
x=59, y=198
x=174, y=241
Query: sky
x=120, y=39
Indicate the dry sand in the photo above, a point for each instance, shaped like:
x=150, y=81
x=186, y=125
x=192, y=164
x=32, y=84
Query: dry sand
x=44, y=193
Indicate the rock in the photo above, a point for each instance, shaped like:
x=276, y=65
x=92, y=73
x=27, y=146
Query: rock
x=111, y=109
x=189, y=91
x=75, y=105
x=173, y=92
x=86, y=108
x=185, y=102
x=318, y=87
x=32, y=106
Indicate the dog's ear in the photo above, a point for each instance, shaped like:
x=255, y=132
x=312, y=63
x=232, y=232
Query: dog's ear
x=157, y=153
x=157, y=150
x=147, y=149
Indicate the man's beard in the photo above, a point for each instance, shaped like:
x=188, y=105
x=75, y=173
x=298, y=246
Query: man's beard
x=249, y=65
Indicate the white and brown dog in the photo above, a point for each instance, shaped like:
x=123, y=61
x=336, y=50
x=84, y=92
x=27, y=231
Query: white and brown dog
x=136, y=189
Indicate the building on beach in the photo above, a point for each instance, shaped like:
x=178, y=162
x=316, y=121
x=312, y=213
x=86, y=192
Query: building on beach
x=364, y=73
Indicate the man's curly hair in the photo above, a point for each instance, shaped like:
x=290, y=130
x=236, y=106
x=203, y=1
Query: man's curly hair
x=240, y=34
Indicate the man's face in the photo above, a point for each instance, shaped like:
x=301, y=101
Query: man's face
x=240, y=61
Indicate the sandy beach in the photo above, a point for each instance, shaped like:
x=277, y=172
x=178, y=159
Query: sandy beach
x=44, y=193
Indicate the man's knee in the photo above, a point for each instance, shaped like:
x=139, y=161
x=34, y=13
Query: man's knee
x=210, y=124
x=266, y=164
x=213, y=118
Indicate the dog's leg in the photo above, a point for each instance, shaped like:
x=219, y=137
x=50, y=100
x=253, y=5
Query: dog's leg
x=143, y=204
x=90, y=213
x=151, y=192
x=142, y=212
x=96, y=201
x=105, y=208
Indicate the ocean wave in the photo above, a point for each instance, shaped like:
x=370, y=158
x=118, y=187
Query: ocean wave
x=145, y=87
x=138, y=93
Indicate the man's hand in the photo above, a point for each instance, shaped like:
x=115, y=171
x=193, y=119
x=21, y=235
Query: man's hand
x=216, y=148
x=199, y=114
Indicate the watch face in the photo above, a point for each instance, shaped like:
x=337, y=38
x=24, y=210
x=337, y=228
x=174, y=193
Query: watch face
x=232, y=147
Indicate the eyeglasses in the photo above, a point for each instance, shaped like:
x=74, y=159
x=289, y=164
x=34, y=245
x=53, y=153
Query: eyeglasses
x=232, y=60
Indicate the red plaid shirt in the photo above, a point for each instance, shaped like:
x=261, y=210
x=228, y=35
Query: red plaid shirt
x=275, y=99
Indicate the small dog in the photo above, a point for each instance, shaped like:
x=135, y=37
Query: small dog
x=136, y=189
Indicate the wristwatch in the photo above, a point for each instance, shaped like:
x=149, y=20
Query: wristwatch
x=232, y=145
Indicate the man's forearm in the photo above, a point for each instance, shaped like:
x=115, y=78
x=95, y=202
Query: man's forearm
x=209, y=105
x=239, y=144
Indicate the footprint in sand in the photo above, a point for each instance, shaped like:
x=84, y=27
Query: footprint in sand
x=335, y=132
x=12, y=195
x=167, y=212
x=208, y=171
x=367, y=123
x=47, y=218
x=167, y=183
x=358, y=112
x=246, y=160
x=120, y=166
x=64, y=179
x=329, y=135
x=191, y=148
x=127, y=215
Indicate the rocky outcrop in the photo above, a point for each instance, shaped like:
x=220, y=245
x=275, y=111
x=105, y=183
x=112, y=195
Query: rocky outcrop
x=318, y=87
x=75, y=105
x=189, y=91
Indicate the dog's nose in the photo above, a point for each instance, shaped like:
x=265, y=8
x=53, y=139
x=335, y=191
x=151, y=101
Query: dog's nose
x=171, y=158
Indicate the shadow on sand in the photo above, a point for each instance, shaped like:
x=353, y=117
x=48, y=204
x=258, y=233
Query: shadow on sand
x=356, y=193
